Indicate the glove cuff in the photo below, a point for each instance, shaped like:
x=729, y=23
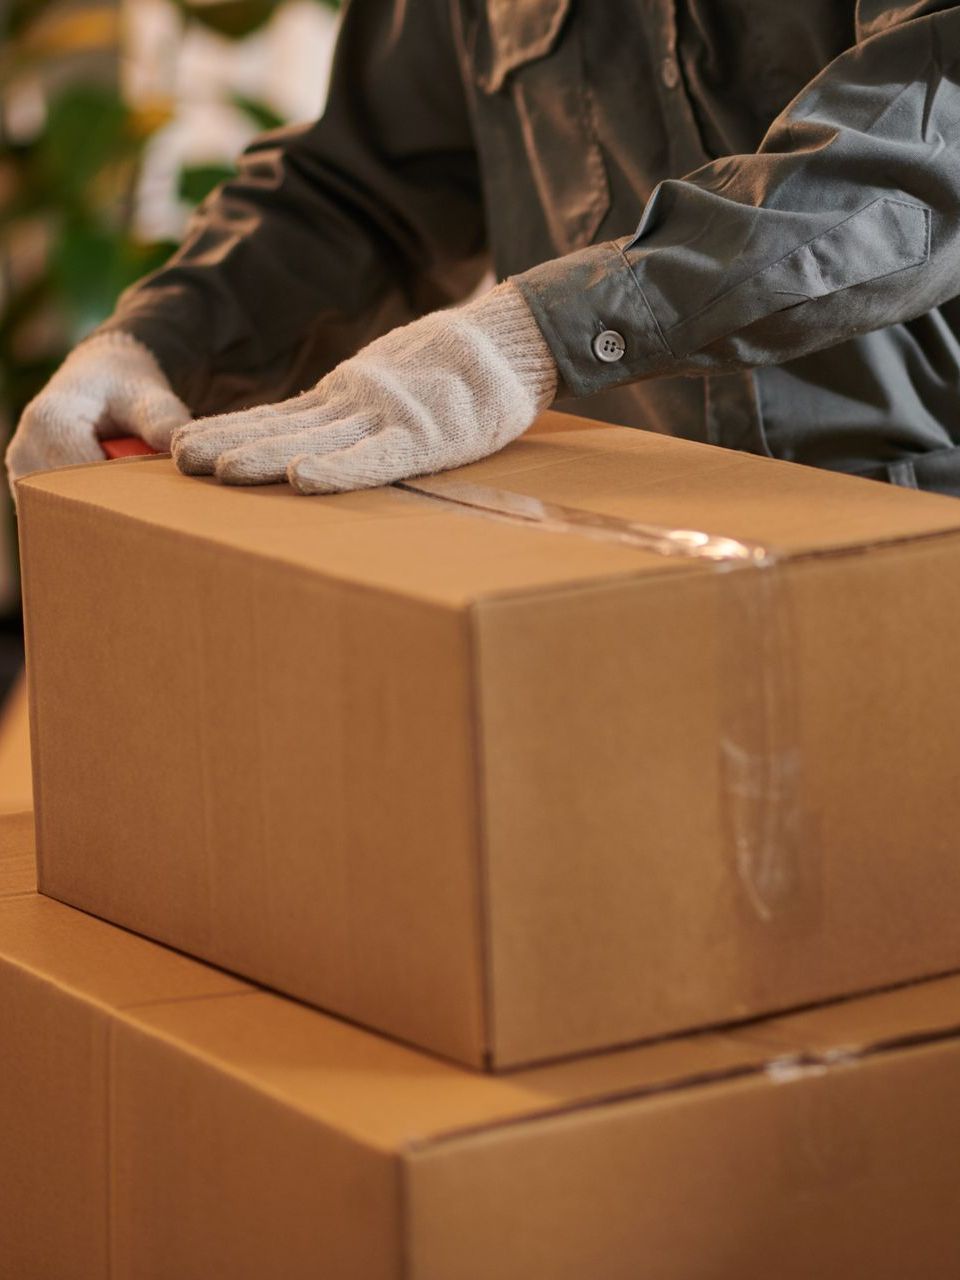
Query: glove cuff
x=123, y=345
x=510, y=325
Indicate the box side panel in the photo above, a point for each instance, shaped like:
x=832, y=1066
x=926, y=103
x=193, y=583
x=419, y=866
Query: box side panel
x=16, y=782
x=600, y=720
x=637, y=884
x=53, y=1132
x=878, y=709
x=853, y=1171
x=918, y=1010
x=18, y=869
x=262, y=769
x=212, y=1178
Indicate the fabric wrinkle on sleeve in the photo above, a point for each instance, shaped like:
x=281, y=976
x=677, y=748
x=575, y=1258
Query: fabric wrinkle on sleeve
x=846, y=219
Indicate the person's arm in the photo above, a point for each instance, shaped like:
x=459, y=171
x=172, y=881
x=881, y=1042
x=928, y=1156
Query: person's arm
x=330, y=234
x=846, y=219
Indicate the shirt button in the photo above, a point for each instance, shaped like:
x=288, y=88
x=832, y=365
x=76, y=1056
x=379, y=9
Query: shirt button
x=609, y=346
x=670, y=72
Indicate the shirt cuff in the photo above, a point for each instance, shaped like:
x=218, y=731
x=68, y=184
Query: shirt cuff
x=596, y=320
x=175, y=346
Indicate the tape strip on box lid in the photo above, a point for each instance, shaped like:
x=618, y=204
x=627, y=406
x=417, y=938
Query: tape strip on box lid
x=759, y=764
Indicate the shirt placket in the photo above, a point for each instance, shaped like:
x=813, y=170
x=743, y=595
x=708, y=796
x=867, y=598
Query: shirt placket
x=685, y=144
x=731, y=407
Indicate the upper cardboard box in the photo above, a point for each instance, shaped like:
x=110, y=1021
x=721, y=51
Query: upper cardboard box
x=161, y=1119
x=509, y=788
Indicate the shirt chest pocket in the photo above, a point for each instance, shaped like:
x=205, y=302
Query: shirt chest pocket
x=530, y=81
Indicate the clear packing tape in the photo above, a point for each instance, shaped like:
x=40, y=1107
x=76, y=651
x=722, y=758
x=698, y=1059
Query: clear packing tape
x=759, y=765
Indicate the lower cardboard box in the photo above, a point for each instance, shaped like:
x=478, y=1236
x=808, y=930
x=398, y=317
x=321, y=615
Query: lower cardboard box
x=161, y=1119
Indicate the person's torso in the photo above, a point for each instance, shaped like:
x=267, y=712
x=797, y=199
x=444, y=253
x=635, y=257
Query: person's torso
x=581, y=109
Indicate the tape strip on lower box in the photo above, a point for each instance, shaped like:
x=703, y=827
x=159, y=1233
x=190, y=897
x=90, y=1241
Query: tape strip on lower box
x=759, y=762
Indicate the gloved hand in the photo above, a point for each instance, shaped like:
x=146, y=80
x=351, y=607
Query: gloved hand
x=443, y=391
x=109, y=385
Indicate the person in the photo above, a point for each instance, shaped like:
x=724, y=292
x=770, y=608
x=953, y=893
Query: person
x=730, y=220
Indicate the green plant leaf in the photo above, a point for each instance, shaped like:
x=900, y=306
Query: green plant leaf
x=197, y=181
x=140, y=259
x=262, y=115
x=85, y=271
x=87, y=129
x=233, y=18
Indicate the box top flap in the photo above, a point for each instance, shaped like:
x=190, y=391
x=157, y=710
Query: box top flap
x=391, y=1097
x=659, y=480
x=402, y=541
x=98, y=962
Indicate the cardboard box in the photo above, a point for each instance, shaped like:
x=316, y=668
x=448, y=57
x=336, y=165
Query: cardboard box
x=163, y=1121
x=503, y=791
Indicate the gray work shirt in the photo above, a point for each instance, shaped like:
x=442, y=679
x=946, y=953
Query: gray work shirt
x=758, y=199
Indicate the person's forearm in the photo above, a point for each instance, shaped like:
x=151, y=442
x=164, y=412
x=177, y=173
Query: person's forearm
x=847, y=219
x=331, y=233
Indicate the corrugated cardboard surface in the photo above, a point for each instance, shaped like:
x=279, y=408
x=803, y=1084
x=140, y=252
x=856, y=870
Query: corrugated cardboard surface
x=16, y=785
x=468, y=781
x=241, y=711
x=611, y=871
x=18, y=864
x=162, y=1120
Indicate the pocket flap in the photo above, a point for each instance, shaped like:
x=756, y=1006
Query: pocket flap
x=520, y=31
x=884, y=236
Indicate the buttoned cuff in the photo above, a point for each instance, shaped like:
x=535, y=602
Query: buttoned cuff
x=595, y=318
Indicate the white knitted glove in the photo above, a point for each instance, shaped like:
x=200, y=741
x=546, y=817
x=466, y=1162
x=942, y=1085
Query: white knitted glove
x=443, y=391
x=109, y=385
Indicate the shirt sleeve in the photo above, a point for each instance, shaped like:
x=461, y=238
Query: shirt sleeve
x=330, y=233
x=846, y=219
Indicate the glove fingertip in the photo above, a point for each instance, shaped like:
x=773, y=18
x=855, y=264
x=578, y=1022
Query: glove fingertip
x=308, y=474
x=245, y=465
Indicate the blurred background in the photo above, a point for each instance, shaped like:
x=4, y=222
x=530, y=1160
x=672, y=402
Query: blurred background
x=116, y=118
